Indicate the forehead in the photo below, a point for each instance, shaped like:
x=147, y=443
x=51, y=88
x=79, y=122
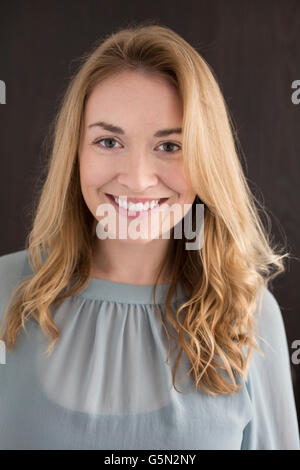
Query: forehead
x=131, y=96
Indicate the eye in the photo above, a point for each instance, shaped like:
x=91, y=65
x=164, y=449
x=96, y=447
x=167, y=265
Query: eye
x=111, y=139
x=172, y=144
x=105, y=139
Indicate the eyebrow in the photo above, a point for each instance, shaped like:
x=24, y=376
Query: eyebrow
x=119, y=130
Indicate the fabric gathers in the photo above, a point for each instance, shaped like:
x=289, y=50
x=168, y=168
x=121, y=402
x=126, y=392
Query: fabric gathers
x=107, y=385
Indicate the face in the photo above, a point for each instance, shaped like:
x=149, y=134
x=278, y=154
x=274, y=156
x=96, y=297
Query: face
x=127, y=156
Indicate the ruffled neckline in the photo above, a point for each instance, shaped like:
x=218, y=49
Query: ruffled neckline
x=100, y=289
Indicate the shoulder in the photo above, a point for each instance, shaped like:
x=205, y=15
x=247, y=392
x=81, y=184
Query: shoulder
x=270, y=322
x=13, y=267
x=272, y=363
x=13, y=259
x=270, y=384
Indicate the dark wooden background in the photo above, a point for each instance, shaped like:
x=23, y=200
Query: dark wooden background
x=253, y=47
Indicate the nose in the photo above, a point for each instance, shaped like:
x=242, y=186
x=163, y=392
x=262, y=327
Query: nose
x=138, y=173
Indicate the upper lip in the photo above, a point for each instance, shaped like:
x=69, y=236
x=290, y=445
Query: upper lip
x=136, y=200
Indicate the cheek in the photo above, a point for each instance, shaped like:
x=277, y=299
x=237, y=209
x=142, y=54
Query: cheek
x=187, y=192
x=94, y=172
x=85, y=168
x=189, y=195
x=85, y=173
x=177, y=182
x=177, y=179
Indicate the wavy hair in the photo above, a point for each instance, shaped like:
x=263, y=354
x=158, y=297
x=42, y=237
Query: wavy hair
x=223, y=279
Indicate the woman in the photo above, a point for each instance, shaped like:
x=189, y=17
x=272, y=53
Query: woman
x=152, y=345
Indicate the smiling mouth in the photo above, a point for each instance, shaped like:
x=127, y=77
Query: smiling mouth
x=134, y=213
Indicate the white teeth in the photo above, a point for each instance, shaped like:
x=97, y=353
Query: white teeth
x=136, y=207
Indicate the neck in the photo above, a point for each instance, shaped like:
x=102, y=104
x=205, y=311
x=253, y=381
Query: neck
x=130, y=262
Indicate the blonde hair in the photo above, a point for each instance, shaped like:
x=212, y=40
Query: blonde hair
x=223, y=279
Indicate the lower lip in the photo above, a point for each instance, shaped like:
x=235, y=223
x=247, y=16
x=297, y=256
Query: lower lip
x=135, y=214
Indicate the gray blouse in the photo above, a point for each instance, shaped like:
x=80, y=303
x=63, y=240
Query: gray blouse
x=107, y=384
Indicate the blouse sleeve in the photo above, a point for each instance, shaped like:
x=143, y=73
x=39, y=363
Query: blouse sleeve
x=274, y=424
x=12, y=269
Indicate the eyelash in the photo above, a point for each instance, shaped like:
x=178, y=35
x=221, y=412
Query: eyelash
x=96, y=142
